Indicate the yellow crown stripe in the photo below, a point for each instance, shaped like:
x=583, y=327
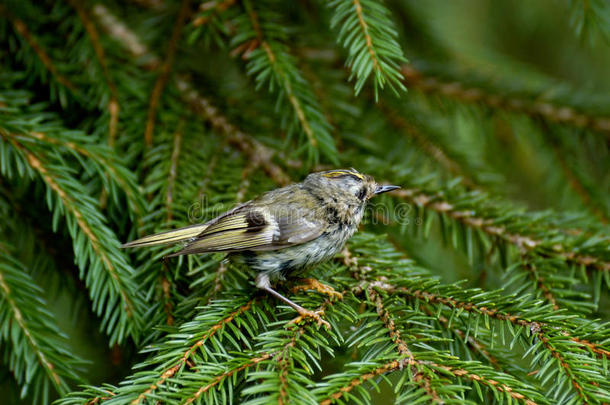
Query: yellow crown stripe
x=338, y=173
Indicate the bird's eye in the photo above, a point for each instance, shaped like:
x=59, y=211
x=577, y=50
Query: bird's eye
x=361, y=193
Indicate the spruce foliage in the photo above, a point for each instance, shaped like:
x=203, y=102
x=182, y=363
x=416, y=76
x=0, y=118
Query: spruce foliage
x=484, y=279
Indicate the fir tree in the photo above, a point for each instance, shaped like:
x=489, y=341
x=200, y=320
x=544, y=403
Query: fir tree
x=485, y=279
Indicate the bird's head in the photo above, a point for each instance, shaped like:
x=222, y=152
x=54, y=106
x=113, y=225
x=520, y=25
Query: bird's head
x=350, y=182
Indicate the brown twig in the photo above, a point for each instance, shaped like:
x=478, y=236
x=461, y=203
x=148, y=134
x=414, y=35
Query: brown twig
x=388, y=322
x=121, y=32
x=594, y=347
x=540, y=284
x=165, y=70
x=576, y=184
x=249, y=168
x=253, y=149
x=217, y=6
x=166, y=288
x=173, y=170
x=545, y=110
x=96, y=400
x=283, y=361
x=218, y=278
x=44, y=57
x=113, y=104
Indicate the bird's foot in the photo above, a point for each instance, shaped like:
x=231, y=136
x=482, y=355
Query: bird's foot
x=313, y=284
x=307, y=314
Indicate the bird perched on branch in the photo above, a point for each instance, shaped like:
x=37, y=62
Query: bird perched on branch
x=284, y=231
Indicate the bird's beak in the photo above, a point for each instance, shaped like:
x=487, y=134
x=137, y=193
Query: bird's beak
x=385, y=189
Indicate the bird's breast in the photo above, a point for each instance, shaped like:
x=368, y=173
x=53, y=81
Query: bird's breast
x=290, y=261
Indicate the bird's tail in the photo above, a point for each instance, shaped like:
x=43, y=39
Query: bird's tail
x=168, y=237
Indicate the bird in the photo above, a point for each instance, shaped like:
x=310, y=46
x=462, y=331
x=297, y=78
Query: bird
x=283, y=232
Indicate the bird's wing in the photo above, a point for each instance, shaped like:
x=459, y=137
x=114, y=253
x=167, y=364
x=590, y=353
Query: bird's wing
x=255, y=227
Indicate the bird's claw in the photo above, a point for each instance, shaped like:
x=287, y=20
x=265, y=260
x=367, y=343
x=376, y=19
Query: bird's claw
x=313, y=284
x=315, y=315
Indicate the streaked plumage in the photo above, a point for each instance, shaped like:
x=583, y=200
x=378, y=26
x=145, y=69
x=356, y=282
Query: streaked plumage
x=284, y=231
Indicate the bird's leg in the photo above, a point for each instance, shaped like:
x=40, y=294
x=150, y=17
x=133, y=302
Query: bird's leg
x=262, y=282
x=313, y=284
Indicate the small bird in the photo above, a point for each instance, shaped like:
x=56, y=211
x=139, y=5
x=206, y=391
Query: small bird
x=285, y=231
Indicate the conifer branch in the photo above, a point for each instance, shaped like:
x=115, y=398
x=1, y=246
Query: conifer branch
x=272, y=65
x=434, y=150
x=165, y=71
x=252, y=148
x=383, y=369
x=546, y=333
x=81, y=220
x=524, y=242
x=545, y=110
x=421, y=377
x=369, y=35
x=127, y=184
x=44, y=362
x=219, y=379
x=207, y=337
x=589, y=200
x=96, y=245
x=470, y=340
x=35, y=349
x=284, y=79
x=567, y=368
x=171, y=371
